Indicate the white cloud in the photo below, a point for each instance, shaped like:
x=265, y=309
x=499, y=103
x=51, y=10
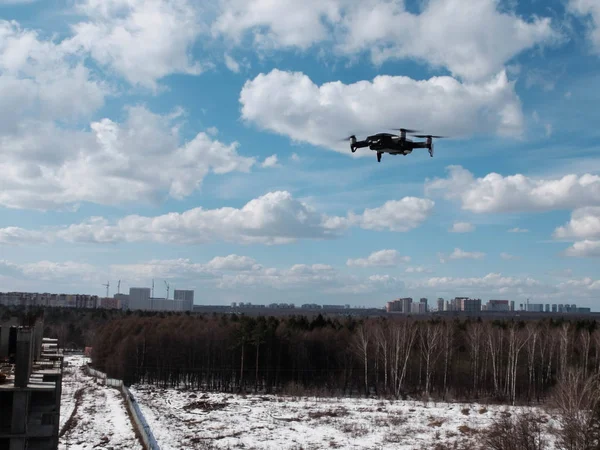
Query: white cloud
x=41, y=80
x=460, y=254
x=298, y=276
x=492, y=282
x=233, y=262
x=508, y=256
x=518, y=230
x=583, y=249
x=442, y=34
x=395, y=215
x=271, y=161
x=381, y=258
x=591, y=9
x=295, y=157
x=462, y=227
x=140, y=160
x=16, y=235
x=280, y=24
x=584, y=224
x=141, y=40
x=231, y=63
x=274, y=218
x=586, y=283
x=417, y=269
x=516, y=193
x=290, y=104
x=49, y=270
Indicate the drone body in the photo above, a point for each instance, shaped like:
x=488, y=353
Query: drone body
x=392, y=143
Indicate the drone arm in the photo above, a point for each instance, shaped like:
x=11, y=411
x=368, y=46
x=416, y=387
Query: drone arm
x=360, y=144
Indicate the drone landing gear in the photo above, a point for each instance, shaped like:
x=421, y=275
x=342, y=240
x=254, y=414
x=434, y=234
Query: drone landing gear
x=353, y=148
x=378, y=156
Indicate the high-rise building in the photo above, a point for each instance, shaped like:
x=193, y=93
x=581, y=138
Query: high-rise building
x=184, y=295
x=139, y=298
x=498, y=305
x=440, y=304
x=423, y=301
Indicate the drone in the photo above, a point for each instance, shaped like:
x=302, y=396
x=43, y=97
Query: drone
x=393, y=144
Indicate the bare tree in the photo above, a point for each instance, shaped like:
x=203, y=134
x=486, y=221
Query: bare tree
x=475, y=338
x=404, y=334
x=430, y=343
x=381, y=332
x=361, y=341
x=516, y=341
x=577, y=398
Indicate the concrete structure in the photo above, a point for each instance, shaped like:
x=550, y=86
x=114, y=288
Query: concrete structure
x=497, y=305
x=30, y=389
x=535, y=307
x=418, y=308
x=48, y=300
x=184, y=295
x=440, y=304
x=139, y=298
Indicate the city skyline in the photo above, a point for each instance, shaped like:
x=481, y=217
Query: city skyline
x=201, y=144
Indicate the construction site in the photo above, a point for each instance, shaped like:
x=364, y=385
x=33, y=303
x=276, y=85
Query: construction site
x=31, y=368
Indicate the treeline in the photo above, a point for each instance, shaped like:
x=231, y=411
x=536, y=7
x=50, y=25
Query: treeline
x=505, y=361
x=74, y=328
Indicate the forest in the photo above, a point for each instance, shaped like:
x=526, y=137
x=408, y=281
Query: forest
x=506, y=361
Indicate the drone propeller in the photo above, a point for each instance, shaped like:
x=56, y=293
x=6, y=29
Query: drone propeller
x=423, y=136
x=348, y=138
x=406, y=130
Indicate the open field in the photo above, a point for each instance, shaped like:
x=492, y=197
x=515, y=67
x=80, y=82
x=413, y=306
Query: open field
x=92, y=415
x=186, y=419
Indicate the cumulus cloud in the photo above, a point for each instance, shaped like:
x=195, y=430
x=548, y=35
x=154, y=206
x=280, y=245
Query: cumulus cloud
x=381, y=258
x=380, y=28
x=460, y=254
x=233, y=262
x=40, y=80
x=462, y=227
x=50, y=270
x=270, y=161
x=395, y=215
x=231, y=63
x=584, y=224
x=589, y=9
x=584, y=249
x=495, y=282
x=291, y=104
x=142, y=159
x=141, y=40
x=496, y=193
x=17, y=235
x=274, y=218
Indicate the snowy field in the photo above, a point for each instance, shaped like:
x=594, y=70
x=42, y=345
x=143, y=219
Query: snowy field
x=185, y=419
x=96, y=414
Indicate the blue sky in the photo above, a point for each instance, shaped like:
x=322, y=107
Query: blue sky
x=201, y=145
